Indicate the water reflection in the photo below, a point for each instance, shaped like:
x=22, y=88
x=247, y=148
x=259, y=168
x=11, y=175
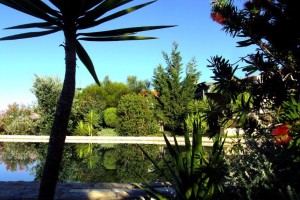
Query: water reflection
x=6, y=175
x=18, y=156
x=87, y=162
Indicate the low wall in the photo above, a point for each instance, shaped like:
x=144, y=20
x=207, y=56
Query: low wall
x=109, y=139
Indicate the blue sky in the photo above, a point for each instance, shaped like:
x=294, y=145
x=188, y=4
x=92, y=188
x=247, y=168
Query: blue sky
x=196, y=34
x=24, y=175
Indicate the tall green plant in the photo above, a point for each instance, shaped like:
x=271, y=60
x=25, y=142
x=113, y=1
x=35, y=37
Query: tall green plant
x=198, y=173
x=71, y=17
x=86, y=127
x=46, y=91
x=174, y=91
x=196, y=109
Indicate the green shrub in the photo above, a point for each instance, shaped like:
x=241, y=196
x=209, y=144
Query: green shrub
x=22, y=126
x=107, y=132
x=109, y=160
x=250, y=172
x=110, y=117
x=136, y=116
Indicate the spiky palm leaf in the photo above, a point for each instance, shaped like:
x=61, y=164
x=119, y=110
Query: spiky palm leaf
x=85, y=14
x=198, y=172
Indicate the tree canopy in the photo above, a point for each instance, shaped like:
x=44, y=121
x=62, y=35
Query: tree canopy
x=136, y=116
x=174, y=91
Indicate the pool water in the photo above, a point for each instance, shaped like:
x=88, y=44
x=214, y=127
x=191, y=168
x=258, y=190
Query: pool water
x=81, y=162
x=24, y=175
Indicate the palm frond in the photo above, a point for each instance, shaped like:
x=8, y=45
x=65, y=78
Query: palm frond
x=117, y=38
x=94, y=22
x=45, y=8
x=92, y=15
x=42, y=25
x=121, y=13
x=92, y=3
x=34, y=8
x=29, y=35
x=123, y=31
x=86, y=60
x=56, y=3
x=176, y=155
x=189, y=158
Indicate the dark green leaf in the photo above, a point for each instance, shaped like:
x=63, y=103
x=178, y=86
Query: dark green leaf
x=92, y=3
x=197, y=138
x=245, y=43
x=293, y=100
x=45, y=8
x=172, y=151
x=45, y=25
x=175, y=154
x=86, y=60
x=29, y=35
x=89, y=18
x=31, y=8
x=123, y=31
x=118, y=14
x=151, y=191
x=250, y=69
x=56, y=3
x=120, y=38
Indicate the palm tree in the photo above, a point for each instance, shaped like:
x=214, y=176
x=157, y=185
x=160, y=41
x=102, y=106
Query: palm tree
x=71, y=17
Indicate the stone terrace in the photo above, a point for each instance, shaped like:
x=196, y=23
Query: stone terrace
x=20, y=190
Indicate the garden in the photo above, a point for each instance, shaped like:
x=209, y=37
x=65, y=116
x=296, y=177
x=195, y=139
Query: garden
x=264, y=163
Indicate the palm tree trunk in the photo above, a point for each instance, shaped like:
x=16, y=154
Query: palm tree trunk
x=60, y=123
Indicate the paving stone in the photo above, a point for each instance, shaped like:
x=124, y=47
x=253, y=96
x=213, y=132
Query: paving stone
x=77, y=191
x=113, y=185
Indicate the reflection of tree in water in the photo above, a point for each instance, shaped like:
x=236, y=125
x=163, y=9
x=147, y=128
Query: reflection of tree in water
x=132, y=163
x=117, y=163
x=38, y=168
x=111, y=163
x=86, y=152
x=18, y=156
x=134, y=166
x=74, y=168
x=114, y=163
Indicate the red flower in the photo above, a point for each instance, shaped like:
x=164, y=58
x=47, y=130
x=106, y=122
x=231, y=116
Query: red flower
x=216, y=16
x=281, y=134
x=280, y=130
x=283, y=140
